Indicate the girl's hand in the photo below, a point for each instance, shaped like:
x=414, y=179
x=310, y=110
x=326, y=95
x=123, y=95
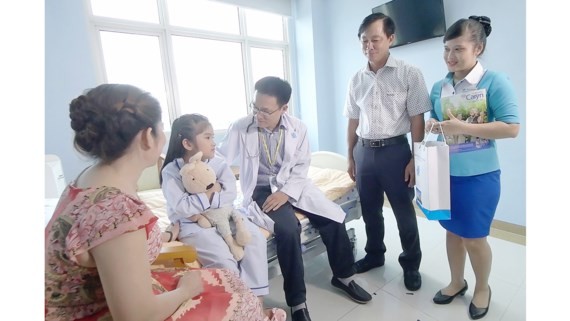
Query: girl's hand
x=216, y=188
x=171, y=233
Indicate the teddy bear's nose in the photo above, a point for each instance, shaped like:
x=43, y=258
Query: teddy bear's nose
x=209, y=186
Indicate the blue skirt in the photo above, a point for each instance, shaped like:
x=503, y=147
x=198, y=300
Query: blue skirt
x=474, y=201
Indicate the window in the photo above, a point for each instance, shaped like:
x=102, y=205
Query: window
x=196, y=56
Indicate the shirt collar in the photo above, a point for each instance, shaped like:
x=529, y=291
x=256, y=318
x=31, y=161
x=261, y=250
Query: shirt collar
x=389, y=63
x=281, y=125
x=473, y=77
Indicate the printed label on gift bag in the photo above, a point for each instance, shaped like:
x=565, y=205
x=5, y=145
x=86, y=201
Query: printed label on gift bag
x=431, y=161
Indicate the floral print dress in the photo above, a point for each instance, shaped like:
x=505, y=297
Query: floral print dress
x=86, y=218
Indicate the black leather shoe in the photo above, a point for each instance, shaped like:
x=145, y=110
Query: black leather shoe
x=364, y=265
x=354, y=291
x=441, y=298
x=412, y=280
x=301, y=315
x=477, y=313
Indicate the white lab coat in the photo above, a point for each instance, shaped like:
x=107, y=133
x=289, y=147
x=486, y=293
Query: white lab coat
x=292, y=177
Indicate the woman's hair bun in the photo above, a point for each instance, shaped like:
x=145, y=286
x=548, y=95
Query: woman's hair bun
x=485, y=21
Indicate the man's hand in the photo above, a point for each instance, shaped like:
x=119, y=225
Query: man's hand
x=274, y=201
x=351, y=169
x=410, y=173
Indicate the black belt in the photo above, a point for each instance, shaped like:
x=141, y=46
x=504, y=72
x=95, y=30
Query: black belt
x=397, y=140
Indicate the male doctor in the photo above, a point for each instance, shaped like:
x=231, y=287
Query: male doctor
x=274, y=159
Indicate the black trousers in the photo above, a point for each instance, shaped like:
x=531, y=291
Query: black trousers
x=380, y=170
x=288, y=241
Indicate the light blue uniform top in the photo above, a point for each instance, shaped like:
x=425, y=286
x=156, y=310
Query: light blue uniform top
x=501, y=106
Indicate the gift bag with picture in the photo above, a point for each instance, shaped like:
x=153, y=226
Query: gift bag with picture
x=432, y=188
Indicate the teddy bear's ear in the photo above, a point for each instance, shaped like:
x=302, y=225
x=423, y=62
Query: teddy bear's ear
x=187, y=168
x=196, y=158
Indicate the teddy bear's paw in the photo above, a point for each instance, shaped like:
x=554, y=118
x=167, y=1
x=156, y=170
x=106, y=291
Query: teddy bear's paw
x=243, y=237
x=203, y=222
x=237, y=252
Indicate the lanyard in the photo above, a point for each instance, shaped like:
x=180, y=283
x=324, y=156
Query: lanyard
x=271, y=162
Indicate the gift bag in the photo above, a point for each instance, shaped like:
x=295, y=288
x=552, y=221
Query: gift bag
x=432, y=188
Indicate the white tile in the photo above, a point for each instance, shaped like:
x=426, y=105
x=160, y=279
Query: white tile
x=509, y=261
x=502, y=294
x=384, y=307
x=516, y=311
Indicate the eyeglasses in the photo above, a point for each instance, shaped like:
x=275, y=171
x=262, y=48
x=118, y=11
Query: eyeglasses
x=255, y=110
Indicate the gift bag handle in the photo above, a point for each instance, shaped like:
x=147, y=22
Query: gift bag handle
x=424, y=141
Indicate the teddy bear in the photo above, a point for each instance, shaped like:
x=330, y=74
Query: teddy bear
x=198, y=177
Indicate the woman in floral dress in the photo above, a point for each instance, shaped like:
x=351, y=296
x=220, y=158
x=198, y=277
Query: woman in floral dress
x=102, y=238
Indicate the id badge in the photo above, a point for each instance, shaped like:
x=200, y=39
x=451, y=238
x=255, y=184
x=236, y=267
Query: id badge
x=273, y=183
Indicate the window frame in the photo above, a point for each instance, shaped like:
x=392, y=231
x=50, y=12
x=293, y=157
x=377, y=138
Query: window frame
x=164, y=32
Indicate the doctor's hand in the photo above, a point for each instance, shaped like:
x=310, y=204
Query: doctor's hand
x=274, y=201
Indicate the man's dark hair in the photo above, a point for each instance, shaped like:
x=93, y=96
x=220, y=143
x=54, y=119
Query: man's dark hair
x=274, y=87
x=389, y=27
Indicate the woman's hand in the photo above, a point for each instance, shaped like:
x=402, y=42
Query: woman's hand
x=191, y=283
x=433, y=124
x=453, y=126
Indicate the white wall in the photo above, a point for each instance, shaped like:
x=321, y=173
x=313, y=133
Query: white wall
x=337, y=56
x=69, y=69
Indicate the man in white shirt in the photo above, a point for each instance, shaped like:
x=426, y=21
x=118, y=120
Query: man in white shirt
x=386, y=100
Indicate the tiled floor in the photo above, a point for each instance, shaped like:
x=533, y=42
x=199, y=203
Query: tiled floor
x=392, y=302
